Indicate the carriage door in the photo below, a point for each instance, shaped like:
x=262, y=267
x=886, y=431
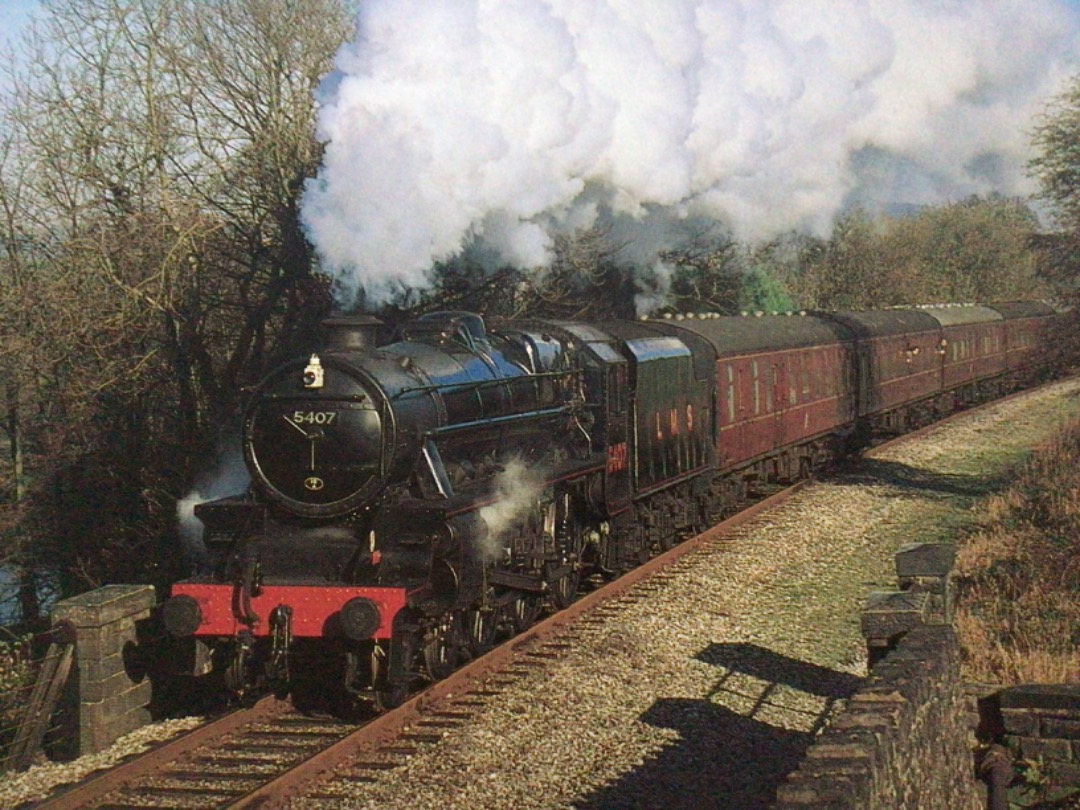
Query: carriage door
x=777, y=401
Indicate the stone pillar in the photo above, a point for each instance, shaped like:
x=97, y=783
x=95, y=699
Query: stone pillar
x=887, y=617
x=107, y=696
x=925, y=568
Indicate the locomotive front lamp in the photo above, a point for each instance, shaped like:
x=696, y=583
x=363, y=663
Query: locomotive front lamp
x=314, y=373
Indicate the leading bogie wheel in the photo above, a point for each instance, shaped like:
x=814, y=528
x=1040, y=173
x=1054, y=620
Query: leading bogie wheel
x=391, y=697
x=389, y=694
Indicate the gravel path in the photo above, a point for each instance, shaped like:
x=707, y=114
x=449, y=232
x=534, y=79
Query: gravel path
x=35, y=783
x=707, y=694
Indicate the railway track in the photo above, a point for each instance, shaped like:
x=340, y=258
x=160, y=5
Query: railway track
x=260, y=756
x=265, y=755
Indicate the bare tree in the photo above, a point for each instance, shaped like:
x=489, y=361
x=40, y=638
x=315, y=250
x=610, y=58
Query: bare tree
x=153, y=156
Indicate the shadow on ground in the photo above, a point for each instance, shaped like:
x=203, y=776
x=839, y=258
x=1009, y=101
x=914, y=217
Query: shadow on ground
x=908, y=481
x=725, y=758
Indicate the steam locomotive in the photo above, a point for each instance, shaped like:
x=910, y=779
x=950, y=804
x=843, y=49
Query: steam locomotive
x=411, y=500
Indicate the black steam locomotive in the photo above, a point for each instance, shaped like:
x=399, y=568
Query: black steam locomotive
x=411, y=500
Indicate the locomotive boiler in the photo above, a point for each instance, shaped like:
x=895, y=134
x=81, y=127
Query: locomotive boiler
x=409, y=501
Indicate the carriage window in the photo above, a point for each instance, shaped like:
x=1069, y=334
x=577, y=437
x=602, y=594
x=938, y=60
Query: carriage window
x=757, y=388
x=730, y=394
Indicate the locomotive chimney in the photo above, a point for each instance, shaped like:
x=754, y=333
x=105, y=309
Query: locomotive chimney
x=352, y=333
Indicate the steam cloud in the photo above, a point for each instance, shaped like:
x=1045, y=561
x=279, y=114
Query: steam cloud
x=230, y=477
x=516, y=489
x=494, y=126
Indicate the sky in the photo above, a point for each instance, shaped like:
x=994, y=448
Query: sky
x=15, y=13
x=13, y=16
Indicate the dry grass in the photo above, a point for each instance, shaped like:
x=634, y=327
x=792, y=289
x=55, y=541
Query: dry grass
x=1018, y=576
x=16, y=680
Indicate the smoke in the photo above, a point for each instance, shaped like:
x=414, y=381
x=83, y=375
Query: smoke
x=516, y=490
x=504, y=123
x=229, y=477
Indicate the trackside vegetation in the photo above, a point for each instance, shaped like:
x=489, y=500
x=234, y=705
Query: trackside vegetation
x=1018, y=575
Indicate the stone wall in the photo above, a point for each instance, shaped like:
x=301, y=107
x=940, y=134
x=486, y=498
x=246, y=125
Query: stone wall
x=1038, y=728
x=904, y=741
x=907, y=739
x=107, y=694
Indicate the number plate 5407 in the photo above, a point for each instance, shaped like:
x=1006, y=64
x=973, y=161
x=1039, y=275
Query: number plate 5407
x=314, y=417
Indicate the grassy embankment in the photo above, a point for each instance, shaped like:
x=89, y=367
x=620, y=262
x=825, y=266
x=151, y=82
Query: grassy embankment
x=1018, y=574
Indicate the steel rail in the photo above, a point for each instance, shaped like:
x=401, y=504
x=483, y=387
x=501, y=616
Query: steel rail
x=382, y=728
x=96, y=787
x=281, y=789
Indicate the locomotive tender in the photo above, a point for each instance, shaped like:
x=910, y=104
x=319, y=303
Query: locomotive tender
x=411, y=499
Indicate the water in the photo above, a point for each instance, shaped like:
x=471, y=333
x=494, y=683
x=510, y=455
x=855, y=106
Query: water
x=10, y=609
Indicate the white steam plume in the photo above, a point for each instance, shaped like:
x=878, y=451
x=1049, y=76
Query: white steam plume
x=229, y=477
x=501, y=123
x=517, y=488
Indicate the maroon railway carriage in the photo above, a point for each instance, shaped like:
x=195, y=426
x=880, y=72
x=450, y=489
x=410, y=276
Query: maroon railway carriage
x=1026, y=326
x=971, y=348
x=782, y=381
x=896, y=362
